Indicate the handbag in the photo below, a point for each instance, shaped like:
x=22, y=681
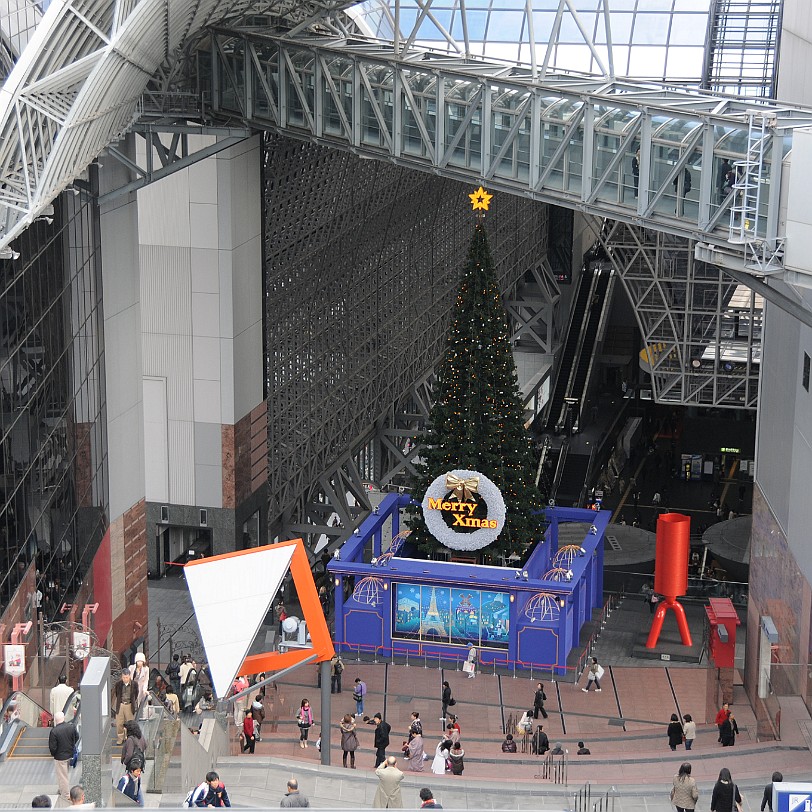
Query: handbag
x=75, y=757
x=468, y=667
x=452, y=702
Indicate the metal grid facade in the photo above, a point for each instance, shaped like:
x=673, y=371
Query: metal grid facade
x=362, y=262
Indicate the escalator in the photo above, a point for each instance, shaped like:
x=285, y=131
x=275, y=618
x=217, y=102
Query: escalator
x=573, y=477
x=25, y=730
x=582, y=297
x=598, y=307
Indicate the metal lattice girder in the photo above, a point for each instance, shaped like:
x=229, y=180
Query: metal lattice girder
x=77, y=85
x=568, y=140
x=532, y=308
x=701, y=328
x=363, y=260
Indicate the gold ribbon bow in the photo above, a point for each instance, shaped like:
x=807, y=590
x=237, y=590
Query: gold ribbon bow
x=463, y=489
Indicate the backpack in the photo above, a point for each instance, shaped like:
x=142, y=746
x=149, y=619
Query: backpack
x=199, y=791
x=136, y=753
x=339, y=667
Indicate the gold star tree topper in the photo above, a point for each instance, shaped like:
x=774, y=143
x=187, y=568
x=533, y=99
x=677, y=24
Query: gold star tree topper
x=480, y=199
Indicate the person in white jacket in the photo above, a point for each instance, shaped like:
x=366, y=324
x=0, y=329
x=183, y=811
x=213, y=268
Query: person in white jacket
x=595, y=676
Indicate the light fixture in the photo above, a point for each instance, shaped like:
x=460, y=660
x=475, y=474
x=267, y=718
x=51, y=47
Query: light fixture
x=568, y=575
x=337, y=554
x=593, y=531
x=8, y=253
x=336, y=581
x=375, y=510
x=357, y=531
x=696, y=363
x=727, y=366
x=518, y=575
x=562, y=601
x=525, y=575
x=581, y=552
x=373, y=561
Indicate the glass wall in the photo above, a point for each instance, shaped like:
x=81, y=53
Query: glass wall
x=53, y=449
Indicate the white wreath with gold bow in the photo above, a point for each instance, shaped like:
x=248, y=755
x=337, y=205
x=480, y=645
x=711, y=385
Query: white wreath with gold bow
x=481, y=537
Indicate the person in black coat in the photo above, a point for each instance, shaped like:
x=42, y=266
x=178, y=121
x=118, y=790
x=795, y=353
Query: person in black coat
x=728, y=731
x=674, y=732
x=382, y=730
x=62, y=741
x=767, y=799
x=538, y=702
x=726, y=796
x=541, y=743
x=447, y=700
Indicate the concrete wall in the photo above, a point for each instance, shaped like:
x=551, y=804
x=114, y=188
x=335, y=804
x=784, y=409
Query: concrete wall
x=795, y=65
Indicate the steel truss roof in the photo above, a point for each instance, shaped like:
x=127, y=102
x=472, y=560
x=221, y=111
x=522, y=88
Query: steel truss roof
x=77, y=85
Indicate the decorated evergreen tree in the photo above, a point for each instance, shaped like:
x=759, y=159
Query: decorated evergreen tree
x=477, y=420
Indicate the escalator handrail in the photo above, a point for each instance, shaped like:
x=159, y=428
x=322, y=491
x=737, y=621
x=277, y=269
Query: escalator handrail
x=600, y=321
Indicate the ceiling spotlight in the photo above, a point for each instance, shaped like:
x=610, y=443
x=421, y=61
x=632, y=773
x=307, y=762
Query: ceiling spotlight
x=696, y=363
x=518, y=575
x=375, y=510
x=581, y=552
x=357, y=531
x=337, y=554
x=727, y=366
x=8, y=253
x=593, y=530
x=526, y=575
x=568, y=575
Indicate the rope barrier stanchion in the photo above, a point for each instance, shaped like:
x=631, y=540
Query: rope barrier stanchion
x=375, y=654
x=425, y=659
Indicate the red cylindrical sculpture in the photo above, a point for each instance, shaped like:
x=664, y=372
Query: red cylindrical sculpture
x=671, y=573
x=673, y=550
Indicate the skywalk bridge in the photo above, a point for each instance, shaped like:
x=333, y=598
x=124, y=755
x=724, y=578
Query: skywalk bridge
x=646, y=154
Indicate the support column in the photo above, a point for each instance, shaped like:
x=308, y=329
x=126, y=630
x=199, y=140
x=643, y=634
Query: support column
x=326, y=712
x=97, y=773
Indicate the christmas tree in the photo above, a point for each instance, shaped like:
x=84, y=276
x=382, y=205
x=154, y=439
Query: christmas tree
x=477, y=420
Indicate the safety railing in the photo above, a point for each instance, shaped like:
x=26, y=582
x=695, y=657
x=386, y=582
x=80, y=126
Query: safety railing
x=612, y=602
x=424, y=658
x=160, y=727
x=553, y=768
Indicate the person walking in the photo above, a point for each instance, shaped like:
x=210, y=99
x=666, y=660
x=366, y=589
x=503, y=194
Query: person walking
x=675, y=732
x=471, y=661
x=304, y=718
x=130, y=783
x=124, y=703
x=414, y=751
x=725, y=796
x=438, y=764
x=456, y=757
x=62, y=741
x=359, y=691
x=684, y=793
x=767, y=798
x=728, y=731
x=173, y=672
x=689, y=726
x=293, y=797
x=210, y=792
x=539, y=698
x=381, y=740
x=427, y=799
x=723, y=713
x=249, y=737
x=416, y=726
x=139, y=671
x=60, y=694
x=258, y=713
x=387, y=795
x=349, y=739
x=135, y=745
x=595, y=676
x=447, y=699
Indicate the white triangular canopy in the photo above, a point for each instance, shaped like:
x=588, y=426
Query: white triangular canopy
x=231, y=596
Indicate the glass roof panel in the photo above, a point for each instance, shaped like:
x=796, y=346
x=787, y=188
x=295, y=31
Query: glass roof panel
x=668, y=35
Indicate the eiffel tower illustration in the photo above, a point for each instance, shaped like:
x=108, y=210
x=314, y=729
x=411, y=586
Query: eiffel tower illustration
x=432, y=622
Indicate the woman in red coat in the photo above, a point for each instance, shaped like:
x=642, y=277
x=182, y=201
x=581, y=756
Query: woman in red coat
x=248, y=732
